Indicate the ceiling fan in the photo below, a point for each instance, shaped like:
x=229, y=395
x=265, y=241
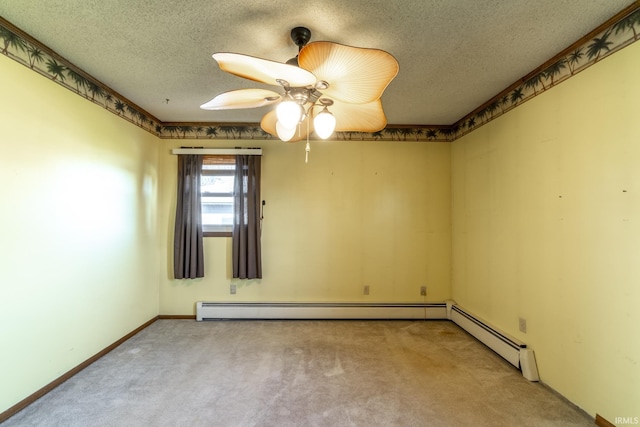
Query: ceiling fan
x=327, y=87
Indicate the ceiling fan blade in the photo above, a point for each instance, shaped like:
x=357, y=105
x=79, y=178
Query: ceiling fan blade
x=242, y=98
x=354, y=74
x=367, y=117
x=263, y=70
x=268, y=124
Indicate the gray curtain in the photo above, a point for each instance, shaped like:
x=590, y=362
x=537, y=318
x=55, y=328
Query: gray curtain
x=247, y=262
x=188, y=257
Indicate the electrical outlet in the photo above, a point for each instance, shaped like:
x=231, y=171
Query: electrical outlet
x=522, y=325
x=423, y=291
x=232, y=289
x=366, y=290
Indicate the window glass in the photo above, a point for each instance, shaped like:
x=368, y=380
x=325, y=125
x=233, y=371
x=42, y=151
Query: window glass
x=216, y=188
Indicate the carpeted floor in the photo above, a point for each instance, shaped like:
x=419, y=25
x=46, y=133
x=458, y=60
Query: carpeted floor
x=300, y=373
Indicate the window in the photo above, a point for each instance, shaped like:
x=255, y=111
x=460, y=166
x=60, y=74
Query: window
x=216, y=189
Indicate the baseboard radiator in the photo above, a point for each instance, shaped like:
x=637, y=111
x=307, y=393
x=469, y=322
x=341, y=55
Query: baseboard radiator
x=414, y=311
x=511, y=349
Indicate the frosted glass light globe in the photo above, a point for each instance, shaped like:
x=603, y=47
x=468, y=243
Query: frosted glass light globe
x=324, y=124
x=285, y=133
x=289, y=113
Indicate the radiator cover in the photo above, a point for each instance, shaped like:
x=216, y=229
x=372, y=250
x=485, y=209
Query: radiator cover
x=511, y=349
x=413, y=311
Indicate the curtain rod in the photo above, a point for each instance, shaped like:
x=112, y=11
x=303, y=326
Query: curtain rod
x=249, y=151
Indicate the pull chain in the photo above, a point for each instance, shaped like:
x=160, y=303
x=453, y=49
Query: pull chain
x=307, y=148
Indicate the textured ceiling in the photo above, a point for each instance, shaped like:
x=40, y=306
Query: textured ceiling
x=454, y=55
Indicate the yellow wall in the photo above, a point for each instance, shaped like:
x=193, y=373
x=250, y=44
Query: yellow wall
x=359, y=213
x=78, y=245
x=546, y=226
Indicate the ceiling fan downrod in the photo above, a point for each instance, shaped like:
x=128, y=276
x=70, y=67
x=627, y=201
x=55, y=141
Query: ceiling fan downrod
x=300, y=36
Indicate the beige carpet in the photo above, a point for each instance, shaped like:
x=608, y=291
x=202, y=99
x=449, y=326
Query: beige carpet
x=301, y=373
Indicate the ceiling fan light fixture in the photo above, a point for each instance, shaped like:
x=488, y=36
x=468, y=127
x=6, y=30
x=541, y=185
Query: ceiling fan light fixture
x=285, y=133
x=289, y=113
x=324, y=123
